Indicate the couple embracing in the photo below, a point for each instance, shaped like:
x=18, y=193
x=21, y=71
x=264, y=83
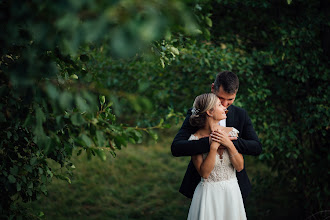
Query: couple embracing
x=216, y=134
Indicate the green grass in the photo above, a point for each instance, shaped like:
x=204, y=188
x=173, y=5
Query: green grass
x=142, y=182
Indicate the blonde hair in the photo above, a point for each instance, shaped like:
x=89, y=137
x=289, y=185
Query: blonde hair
x=202, y=103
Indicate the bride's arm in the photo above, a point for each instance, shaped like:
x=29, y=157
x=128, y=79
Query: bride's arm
x=236, y=158
x=204, y=167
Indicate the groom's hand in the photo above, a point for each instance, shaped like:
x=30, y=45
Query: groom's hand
x=232, y=138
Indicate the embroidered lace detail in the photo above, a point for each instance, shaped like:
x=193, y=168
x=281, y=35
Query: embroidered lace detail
x=193, y=137
x=223, y=169
x=234, y=132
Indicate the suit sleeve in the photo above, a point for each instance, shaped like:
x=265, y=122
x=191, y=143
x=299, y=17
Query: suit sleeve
x=248, y=143
x=182, y=147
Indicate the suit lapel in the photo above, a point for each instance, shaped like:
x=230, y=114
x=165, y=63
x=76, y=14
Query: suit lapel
x=230, y=117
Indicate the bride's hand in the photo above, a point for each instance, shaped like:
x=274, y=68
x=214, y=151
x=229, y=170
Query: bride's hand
x=222, y=137
x=215, y=139
x=225, y=129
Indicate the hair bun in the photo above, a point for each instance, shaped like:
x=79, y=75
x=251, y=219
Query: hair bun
x=202, y=104
x=198, y=120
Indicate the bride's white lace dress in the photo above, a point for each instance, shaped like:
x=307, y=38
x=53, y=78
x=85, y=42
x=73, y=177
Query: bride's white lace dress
x=218, y=197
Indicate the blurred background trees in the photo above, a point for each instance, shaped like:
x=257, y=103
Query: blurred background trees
x=94, y=76
x=51, y=102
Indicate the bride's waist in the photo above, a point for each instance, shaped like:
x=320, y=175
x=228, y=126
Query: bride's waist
x=219, y=180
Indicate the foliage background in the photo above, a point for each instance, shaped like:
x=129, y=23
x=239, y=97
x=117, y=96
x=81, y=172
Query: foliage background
x=88, y=77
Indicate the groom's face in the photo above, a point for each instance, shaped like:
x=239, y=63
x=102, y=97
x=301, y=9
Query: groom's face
x=225, y=98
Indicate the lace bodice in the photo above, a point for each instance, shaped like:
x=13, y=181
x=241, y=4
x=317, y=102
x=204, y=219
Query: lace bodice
x=223, y=169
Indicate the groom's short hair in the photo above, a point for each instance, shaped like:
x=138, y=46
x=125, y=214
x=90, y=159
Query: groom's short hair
x=228, y=80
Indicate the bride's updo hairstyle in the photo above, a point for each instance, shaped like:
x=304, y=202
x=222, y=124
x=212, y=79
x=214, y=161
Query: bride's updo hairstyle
x=202, y=104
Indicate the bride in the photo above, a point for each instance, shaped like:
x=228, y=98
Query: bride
x=218, y=195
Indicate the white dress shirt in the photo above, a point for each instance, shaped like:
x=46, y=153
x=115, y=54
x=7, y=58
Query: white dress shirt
x=222, y=123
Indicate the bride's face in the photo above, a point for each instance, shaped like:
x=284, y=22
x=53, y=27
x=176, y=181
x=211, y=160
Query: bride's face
x=219, y=111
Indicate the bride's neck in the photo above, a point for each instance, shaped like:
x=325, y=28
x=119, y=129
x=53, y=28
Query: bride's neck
x=207, y=129
x=203, y=132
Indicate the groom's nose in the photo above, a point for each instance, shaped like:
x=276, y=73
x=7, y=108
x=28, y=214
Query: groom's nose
x=224, y=103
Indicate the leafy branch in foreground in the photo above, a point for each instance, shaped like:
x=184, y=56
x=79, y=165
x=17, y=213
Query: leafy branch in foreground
x=49, y=101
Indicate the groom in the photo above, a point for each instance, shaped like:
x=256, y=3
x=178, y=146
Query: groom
x=225, y=87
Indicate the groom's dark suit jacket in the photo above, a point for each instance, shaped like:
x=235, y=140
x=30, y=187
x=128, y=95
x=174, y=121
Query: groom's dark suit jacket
x=247, y=143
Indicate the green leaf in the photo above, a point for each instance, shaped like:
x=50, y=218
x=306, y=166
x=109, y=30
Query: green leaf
x=102, y=99
x=119, y=141
x=74, y=76
x=29, y=192
x=50, y=173
x=28, y=168
x=33, y=161
x=137, y=135
x=41, y=214
x=208, y=21
x=11, y=179
x=174, y=50
x=66, y=100
x=207, y=33
x=114, y=155
x=132, y=140
x=100, y=138
x=153, y=134
x=198, y=7
x=14, y=170
x=87, y=140
x=44, y=179
x=77, y=119
x=40, y=118
x=145, y=104
x=63, y=178
x=30, y=185
x=81, y=104
x=101, y=154
x=162, y=62
x=9, y=134
x=18, y=187
x=43, y=189
x=52, y=91
x=89, y=154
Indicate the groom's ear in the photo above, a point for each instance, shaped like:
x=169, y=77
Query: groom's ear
x=212, y=87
